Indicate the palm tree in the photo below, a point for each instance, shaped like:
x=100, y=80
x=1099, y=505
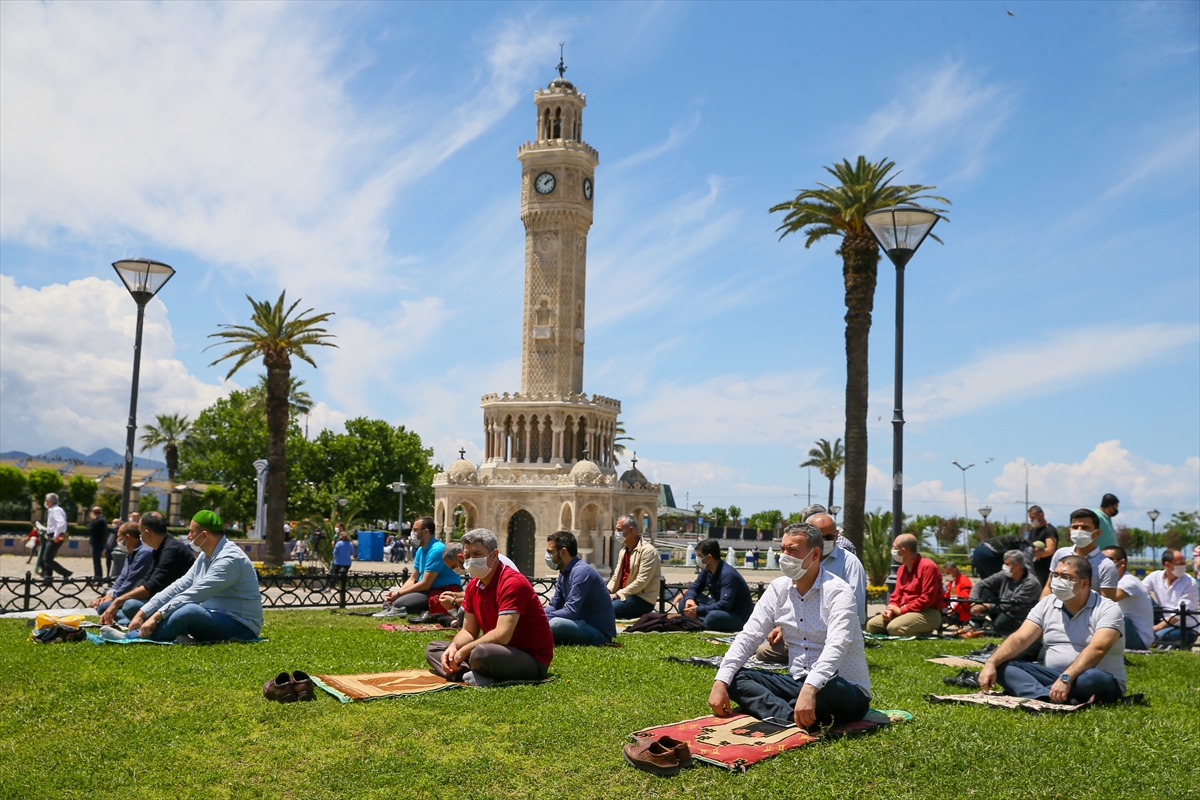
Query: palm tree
x=828, y=459
x=841, y=211
x=170, y=432
x=619, y=437
x=276, y=335
x=299, y=401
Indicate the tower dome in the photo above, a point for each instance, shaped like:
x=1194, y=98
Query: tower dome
x=586, y=471
x=462, y=471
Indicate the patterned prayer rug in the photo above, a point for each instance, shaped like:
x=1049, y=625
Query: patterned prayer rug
x=963, y=662
x=715, y=661
x=741, y=741
x=998, y=700
x=96, y=639
x=372, y=686
x=421, y=628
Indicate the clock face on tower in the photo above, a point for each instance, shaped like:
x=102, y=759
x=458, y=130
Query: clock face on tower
x=587, y=188
x=544, y=183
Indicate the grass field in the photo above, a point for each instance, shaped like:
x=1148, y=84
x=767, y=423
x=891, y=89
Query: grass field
x=77, y=720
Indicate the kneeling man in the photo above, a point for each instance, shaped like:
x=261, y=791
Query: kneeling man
x=505, y=635
x=1084, y=636
x=719, y=597
x=216, y=600
x=827, y=682
x=581, y=611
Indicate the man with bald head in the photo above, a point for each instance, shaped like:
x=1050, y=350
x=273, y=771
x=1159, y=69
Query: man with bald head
x=915, y=605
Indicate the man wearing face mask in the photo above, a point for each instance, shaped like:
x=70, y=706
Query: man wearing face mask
x=581, y=611
x=836, y=560
x=1084, y=640
x=1006, y=597
x=915, y=607
x=217, y=600
x=1134, y=601
x=633, y=586
x=170, y=561
x=446, y=608
x=430, y=576
x=808, y=512
x=719, y=597
x=1109, y=506
x=827, y=682
x=505, y=635
x=1085, y=528
x=1171, y=587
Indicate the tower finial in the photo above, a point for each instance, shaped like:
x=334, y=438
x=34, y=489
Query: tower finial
x=561, y=66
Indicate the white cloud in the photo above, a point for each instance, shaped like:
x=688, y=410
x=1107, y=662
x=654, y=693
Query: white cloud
x=225, y=130
x=952, y=117
x=66, y=361
x=1175, y=156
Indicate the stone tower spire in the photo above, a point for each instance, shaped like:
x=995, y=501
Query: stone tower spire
x=557, y=174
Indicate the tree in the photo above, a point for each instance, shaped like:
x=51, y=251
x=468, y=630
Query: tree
x=110, y=504
x=170, y=432
x=829, y=460
x=765, y=520
x=841, y=210
x=12, y=482
x=735, y=515
x=275, y=335
x=877, y=547
x=947, y=531
x=618, y=438
x=147, y=503
x=719, y=516
x=42, y=482
x=299, y=401
x=83, y=491
x=1186, y=527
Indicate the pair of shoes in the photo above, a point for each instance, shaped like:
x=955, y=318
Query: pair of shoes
x=663, y=756
x=423, y=619
x=113, y=635
x=967, y=678
x=289, y=688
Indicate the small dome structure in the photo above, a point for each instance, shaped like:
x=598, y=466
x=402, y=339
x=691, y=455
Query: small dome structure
x=586, y=471
x=462, y=471
x=633, y=477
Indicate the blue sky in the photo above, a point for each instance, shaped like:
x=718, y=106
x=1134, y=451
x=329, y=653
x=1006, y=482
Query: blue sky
x=363, y=157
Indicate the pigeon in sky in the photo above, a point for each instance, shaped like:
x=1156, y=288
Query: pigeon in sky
x=1011, y=14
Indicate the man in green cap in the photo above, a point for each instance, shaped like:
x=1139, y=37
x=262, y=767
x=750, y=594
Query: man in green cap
x=215, y=601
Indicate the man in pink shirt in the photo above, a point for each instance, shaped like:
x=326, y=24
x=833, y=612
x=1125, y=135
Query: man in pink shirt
x=915, y=606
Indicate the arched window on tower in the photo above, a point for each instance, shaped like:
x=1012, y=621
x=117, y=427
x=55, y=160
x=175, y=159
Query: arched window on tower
x=557, y=123
x=545, y=132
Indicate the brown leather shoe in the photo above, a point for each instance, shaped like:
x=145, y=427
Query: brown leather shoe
x=303, y=684
x=280, y=688
x=683, y=753
x=652, y=757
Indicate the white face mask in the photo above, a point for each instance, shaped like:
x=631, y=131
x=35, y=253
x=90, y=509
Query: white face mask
x=192, y=544
x=896, y=555
x=1179, y=569
x=1007, y=570
x=792, y=567
x=827, y=547
x=476, y=566
x=550, y=561
x=1062, y=588
x=620, y=537
x=1081, y=538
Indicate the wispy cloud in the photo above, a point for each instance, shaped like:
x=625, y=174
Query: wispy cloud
x=1178, y=155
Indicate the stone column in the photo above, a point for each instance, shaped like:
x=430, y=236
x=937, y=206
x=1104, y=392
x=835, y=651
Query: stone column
x=528, y=437
x=175, y=507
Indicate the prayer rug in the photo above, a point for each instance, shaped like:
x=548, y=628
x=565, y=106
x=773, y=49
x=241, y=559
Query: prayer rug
x=96, y=639
x=741, y=741
x=967, y=662
x=715, y=661
x=421, y=628
x=998, y=700
x=372, y=686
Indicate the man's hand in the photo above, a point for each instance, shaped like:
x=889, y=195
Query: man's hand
x=1059, y=691
x=613, y=596
x=448, y=601
x=891, y=612
x=987, y=677
x=391, y=595
x=96, y=603
x=449, y=660
x=718, y=700
x=690, y=608
x=110, y=614
x=775, y=636
x=806, y=706
x=979, y=609
x=146, y=630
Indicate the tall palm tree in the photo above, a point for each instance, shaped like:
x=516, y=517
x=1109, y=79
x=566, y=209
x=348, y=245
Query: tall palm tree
x=619, y=438
x=170, y=432
x=841, y=210
x=829, y=460
x=299, y=401
x=276, y=335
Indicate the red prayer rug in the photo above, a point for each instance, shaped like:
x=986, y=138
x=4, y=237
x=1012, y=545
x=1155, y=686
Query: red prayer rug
x=741, y=741
x=372, y=686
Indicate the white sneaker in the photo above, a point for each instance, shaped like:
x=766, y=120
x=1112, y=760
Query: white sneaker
x=113, y=635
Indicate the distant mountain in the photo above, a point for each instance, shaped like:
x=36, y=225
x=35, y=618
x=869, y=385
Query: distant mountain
x=105, y=456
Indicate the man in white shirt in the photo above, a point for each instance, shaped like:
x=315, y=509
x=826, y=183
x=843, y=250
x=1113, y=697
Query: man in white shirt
x=827, y=682
x=1085, y=530
x=1084, y=637
x=56, y=532
x=1172, y=587
x=1134, y=602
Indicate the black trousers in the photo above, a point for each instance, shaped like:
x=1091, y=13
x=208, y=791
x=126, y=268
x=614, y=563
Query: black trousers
x=49, y=565
x=97, y=558
x=769, y=694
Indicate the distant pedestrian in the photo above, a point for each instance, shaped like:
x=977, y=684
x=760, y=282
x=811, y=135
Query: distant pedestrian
x=1107, y=510
x=56, y=534
x=98, y=538
x=343, y=552
x=1043, y=539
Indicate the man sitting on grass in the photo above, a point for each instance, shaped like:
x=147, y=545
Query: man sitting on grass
x=217, y=600
x=136, y=568
x=581, y=611
x=916, y=605
x=1172, y=587
x=827, y=681
x=1085, y=529
x=447, y=606
x=170, y=562
x=1134, y=601
x=633, y=586
x=430, y=576
x=1084, y=639
x=719, y=597
x=505, y=635
x=1006, y=597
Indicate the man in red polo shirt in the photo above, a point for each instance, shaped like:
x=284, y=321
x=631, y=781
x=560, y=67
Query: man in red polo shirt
x=916, y=605
x=505, y=635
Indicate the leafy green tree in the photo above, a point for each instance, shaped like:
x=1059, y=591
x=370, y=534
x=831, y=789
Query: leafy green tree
x=12, y=482
x=83, y=491
x=719, y=516
x=44, y=481
x=619, y=439
x=877, y=547
x=829, y=460
x=147, y=503
x=169, y=432
x=765, y=520
x=735, y=515
x=110, y=504
x=841, y=210
x=299, y=401
x=275, y=335
x=1186, y=526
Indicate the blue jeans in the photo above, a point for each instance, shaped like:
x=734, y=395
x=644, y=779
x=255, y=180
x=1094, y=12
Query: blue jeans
x=1026, y=679
x=574, y=631
x=721, y=621
x=1172, y=636
x=1133, y=640
x=202, y=625
x=125, y=612
x=631, y=607
x=769, y=694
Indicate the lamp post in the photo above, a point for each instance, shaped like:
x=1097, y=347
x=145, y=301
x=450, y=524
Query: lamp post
x=983, y=512
x=833, y=512
x=900, y=230
x=1153, y=515
x=399, y=487
x=964, y=476
x=698, y=507
x=143, y=278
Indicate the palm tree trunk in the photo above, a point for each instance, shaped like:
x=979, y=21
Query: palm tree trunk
x=278, y=372
x=830, y=506
x=172, y=460
x=860, y=259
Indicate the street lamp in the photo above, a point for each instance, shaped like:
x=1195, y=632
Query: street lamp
x=983, y=512
x=143, y=278
x=399, y=487
x=1153, y=515
x=900, y=230
x=833, y=512
x=964, y=473
x=698, y=507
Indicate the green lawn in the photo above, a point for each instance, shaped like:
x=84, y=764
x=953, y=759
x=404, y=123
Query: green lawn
x=77, y=720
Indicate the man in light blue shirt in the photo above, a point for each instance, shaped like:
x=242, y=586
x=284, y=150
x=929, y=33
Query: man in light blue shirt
x=215, y=601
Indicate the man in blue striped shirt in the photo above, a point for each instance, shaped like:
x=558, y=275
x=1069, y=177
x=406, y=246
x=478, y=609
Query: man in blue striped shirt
x=581, y=611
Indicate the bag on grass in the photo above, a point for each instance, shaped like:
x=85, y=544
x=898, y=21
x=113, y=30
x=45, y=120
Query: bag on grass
x=655, y=621
x=49, y=629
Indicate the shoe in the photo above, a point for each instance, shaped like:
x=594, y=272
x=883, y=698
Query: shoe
x=443, y=619
x=650, y=756
x=683, y=753
x=186, y=639
x=986, y=650
x=967, y=678
x=973, y=633
x=422, y=619
x=113, y=635
x=280, y=688
x=391, y=611
x=303, y=684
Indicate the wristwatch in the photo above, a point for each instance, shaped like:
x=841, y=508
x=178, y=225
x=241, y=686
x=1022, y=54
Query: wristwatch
x=1065, y=677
